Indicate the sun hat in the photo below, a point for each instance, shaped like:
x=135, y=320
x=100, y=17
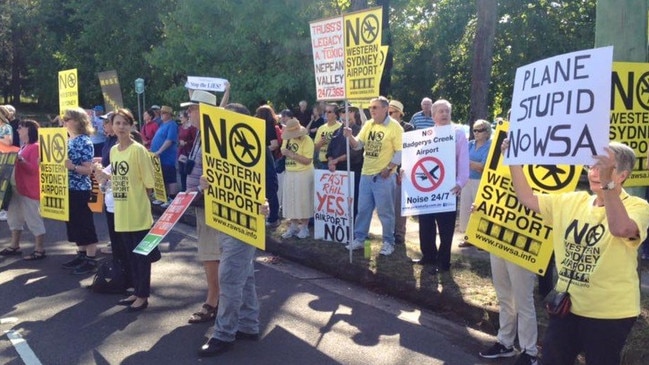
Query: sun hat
x=396, y=104
x=166, y=109
x=200, y=96
x=155, y=107
x=293, y=129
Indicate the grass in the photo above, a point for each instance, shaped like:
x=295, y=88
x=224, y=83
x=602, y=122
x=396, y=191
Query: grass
x=465, y=296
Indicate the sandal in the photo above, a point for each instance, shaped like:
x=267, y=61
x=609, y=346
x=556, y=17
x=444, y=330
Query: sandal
x=204, y=316
x=11, y=251
x=36, y=255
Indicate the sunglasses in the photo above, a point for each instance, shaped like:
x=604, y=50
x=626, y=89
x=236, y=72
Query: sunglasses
x=479, y=130
x=330, y=112
x=67, y=119
x=393, y=112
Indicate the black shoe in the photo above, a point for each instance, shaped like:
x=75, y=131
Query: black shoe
x=126, y=302
x=246, y=336
x=214, y=347
x=79, y=259
x=422, y=261
x=142, y=307
x=88, y=266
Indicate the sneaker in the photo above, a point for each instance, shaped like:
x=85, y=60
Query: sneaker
x=387, y=249
x=157, y=202
x=525, y=359
x=76, y=261
x=3, y=215
x=108, y=249
x=88, y=266
x=356, y=245
x=304, y=232
x=498, y=350
x=291, y=231
x=166, y=204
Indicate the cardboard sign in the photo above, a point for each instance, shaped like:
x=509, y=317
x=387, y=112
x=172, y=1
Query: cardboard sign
x=68, y=90
x=560, y=109
x=159, y=190
x=111, y=90
x=332, y=218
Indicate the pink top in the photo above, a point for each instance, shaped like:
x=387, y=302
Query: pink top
x=27, y=179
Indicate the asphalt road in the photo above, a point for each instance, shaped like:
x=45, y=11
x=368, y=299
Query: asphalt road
x=48, y=316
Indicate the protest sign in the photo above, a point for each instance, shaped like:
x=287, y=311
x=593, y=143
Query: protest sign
x=332, y=218
x=159, y=190
x=7, y=163
x=500, y=224
x=328, y=58
x=165, y=223
x=53, y=174
x=234, y=164
x=560, y=109
x=429, y=171
x=111, y=90
x=68, y=90
x=205, y=83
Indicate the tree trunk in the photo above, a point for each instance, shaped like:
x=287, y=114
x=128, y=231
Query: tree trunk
x=359, y=5
x=483, y=44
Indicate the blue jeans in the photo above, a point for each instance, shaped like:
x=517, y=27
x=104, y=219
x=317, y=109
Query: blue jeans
x=375, y=192
x=238, y=304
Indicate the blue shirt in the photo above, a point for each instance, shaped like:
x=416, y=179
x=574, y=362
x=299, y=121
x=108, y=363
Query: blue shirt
x=420, y=121
x=479, y=155
x=99, y=136
x=80, y=150
x=168, y=131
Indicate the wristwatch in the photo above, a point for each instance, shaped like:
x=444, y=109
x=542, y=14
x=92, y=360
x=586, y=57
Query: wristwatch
x=609, y=186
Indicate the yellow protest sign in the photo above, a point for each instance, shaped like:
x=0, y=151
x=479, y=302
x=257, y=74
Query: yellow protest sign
x=111, y=90
x=96, y=202
x=68, y=90
x=7, y=163
x=54, y=176
x=630, y=115
x=500, y=224
x=159, y=191
x=364, y=54
x=234, y=164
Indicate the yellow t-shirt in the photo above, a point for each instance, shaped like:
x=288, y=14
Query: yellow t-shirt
x=603, y=267
x=132, y=174
x=380, y=142
x=302, y=146
x=327, y=131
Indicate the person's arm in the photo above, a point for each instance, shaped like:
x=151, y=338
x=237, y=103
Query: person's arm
x=523, y=190
x=354, y=142
x=226, y=95
x=167, y=143
x=296, y=157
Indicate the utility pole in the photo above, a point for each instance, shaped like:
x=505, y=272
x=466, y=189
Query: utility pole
x=623, y=24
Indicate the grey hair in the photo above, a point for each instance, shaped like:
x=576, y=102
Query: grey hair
x=441, y=102
x=624, y=156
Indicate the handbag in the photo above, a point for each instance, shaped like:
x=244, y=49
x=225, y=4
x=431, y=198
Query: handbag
x=182, y=158
x=557, y=303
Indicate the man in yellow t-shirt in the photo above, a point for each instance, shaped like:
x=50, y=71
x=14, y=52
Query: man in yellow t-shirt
x=596, y=239
x=382, y=138
x=324, y=135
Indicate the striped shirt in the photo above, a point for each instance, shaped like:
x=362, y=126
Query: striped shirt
x=420, y=121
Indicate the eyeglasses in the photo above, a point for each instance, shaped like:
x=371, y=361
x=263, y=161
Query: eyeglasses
x=330, y=112
x=67, y=119
x=479, y=130
x=393, y=112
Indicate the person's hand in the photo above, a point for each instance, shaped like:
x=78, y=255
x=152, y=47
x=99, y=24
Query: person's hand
x=285, y=151
x=347, y=132
x=331, y=165
x=202, y=182
x=456, y=190
x=264, y=209
x=504, y=146
x=69, y=165
x=227, y=85
x=605, y=165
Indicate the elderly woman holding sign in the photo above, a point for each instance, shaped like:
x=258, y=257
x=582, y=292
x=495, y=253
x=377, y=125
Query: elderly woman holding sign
x=298, y=184
x=132, y=180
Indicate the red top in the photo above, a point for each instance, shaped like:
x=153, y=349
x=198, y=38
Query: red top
x=147, y=132
x=27, y=177
x=187, y=134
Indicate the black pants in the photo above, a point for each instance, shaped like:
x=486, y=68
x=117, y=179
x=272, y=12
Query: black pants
x=602, y=340
x=428, y=225
x=140, y=265
x=120, y=253
x=81, y=225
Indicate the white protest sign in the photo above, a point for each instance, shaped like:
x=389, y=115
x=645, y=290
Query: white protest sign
x=428, y=163
x=205, y=83
x=329, y=58
x=332, y=202
x=560, y=109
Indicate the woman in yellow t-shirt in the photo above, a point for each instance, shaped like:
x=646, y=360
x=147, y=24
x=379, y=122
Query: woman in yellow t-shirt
x=132, y=180
x=297, y=201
